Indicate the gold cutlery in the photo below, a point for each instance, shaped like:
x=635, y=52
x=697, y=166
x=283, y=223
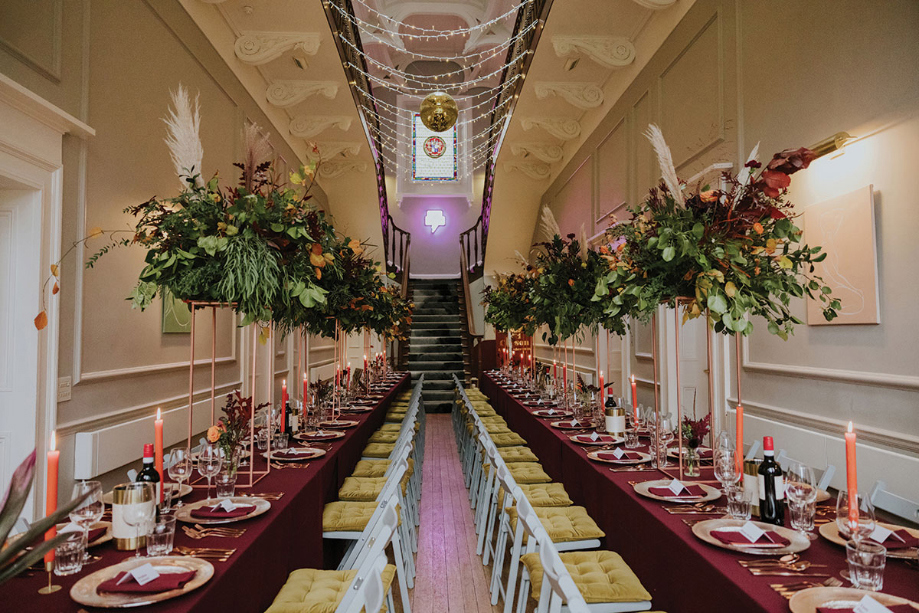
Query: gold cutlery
x=787, y=590
x=783, y=573
x=632, y=470
x=693, y=522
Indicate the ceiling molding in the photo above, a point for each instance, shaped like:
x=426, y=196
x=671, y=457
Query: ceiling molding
x=534, y=170
x=547, y=152
x=581, y=95
x=331, y=149
x=565, y=129
x=258, y=48
x=330, y=170
x=284, y=93
x=655, y=5
x=608, y=51
x=303, y=126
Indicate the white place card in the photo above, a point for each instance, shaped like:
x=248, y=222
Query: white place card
x=142, y=574
x=618, y=453
x=869, y=605
x=676, y=487
x=71, y=527
x=880, y=534
x=751, y=531
x=594, y=436
x=551, y=411
x=226, y=504
x=574, y=422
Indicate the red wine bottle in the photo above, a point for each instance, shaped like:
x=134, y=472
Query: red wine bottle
x=771, y=487
x=149, y=474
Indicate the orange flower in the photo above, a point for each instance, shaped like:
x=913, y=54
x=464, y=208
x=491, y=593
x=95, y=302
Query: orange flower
x=708, y=196
x=571, y=282
x=213, y=434
x=758, y=228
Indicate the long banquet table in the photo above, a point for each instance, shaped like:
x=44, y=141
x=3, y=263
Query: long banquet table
x=287, y=537
x=683, y=573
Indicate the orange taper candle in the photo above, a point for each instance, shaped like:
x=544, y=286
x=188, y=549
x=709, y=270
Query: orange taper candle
x=54, y=457
x=634, y=398
x=851, y=477
x=158, y=448
x=738, y=452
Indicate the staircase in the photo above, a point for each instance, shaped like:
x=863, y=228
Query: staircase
x=435, y=343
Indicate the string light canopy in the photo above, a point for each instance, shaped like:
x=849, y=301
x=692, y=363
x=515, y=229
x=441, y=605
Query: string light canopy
x=473, y=83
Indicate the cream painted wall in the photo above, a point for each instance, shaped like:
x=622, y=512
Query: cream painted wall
x=789, y=74
x=117, y=62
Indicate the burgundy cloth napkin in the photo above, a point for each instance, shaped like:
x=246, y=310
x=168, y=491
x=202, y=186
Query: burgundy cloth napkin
x=893, y=543
x=95, y=533
x=894, y=608
x=314, y=436
x=601, y=438
x=207, y=512
x=628, y=455
x=695, y=491
x=768, y=539
x=163, y=583
x=292, y=452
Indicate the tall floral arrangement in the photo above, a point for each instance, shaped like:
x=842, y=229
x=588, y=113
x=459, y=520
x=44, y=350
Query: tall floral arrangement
x=735, y=252
x=508, y=304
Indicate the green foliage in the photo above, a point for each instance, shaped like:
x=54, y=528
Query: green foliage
x=508, y=305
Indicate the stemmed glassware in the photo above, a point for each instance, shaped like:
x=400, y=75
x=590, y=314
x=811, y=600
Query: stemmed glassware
x=726, y=468
x=854, y=528
x=180, y=467
x=209, y=464
x=140, y=508
x=665, y=437
x=801, y=493
x=87, y=512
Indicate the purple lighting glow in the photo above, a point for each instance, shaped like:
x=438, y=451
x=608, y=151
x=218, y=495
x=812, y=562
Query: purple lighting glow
x=434, y=218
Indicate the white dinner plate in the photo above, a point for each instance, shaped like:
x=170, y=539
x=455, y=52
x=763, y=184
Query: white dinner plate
x=807, y=601
x=704, y=529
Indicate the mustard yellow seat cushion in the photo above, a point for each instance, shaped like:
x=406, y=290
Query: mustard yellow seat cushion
x=601, y=576
x=497, y=429
x=564, y=524
x=396, y=427
x=378, y=468
x=383, y=437
x=366, y=489
x=395, y=418
x=319, y=591
x=517, y=454
x=378, y=450
x=509, y=439
x=524, y=472
x=543, y=494
x=492, y=419
x=345, y=516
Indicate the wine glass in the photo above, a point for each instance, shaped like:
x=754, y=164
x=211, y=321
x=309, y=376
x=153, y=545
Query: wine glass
x=139, y=508
x=180, y=467
x=666, y=437
x=209, y=463
x=726, y=468
x=858, y=526
x=801, y=492
x=87, y=512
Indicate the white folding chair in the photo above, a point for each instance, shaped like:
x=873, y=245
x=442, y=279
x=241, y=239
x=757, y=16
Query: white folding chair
x=881, y=498
x=366, y=592
x=557, y=584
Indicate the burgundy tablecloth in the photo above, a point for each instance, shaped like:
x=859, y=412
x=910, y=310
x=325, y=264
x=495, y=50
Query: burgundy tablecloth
x=286, y=538
x=683, y=574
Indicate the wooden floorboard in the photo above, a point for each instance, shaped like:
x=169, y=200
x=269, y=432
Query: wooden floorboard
x=451, y=578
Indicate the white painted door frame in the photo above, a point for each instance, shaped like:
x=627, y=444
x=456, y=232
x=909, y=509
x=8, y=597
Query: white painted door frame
x=31, y=140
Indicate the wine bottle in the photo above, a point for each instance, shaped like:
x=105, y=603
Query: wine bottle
x=771, y=487
x=148, y=472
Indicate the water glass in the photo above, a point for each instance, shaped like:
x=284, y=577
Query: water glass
x=180, y=468
x=739, y=502
x=801, y=516
x=225, y=484
x=88, y=512
x=262, y=439
x=866, y=564
x=68, y=555
x=631, y=438
x=280, y=441
x=161, y=536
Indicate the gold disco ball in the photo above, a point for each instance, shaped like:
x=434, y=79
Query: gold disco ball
x=438, y=112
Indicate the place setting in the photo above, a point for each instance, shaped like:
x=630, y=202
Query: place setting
x=228, y=510
x=294, y=454
x=596, y=439
x=142, y=581
x=620, y=456
x=319, y=435
x=674, y=490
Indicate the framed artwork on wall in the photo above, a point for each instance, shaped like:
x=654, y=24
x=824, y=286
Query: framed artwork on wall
x=176, y=316
x=845, y=227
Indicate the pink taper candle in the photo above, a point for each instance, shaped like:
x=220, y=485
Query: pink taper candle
x=54, y=457
x=158, y=448
x=602, y=389
x=739, y=438
x=634, y=397
x=851, y=477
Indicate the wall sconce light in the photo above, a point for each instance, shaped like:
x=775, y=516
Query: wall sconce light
x=831, y=144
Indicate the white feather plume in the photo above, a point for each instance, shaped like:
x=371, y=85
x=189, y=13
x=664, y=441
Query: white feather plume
x=548, y=224
x=582, y=244
x=665, y=159
x=521, y=260
x=182, y=126
x=744, y=175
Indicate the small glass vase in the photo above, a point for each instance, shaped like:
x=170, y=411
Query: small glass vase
x=691, y=463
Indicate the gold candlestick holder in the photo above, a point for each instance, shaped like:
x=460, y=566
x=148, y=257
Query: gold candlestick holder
x=50, y=588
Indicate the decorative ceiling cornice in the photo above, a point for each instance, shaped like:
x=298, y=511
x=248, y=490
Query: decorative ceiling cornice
x=330, y=170
x=534, y=170
x=261, y=47
x=581, y=95
x=286, y=93
x=329, y=150
x=565, y=129
x=546, y=152
x=304, y=126
x=608, y=51
x=655, y=5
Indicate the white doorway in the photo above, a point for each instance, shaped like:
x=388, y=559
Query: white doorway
x=20, y=256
